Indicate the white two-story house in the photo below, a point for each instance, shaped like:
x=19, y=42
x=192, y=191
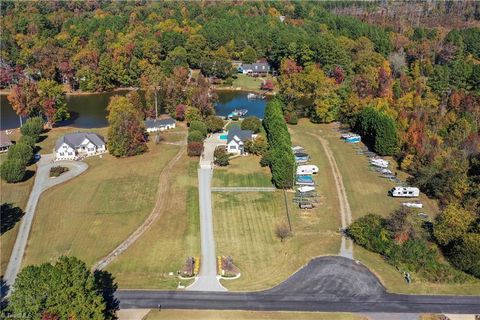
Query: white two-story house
x=236, y=140
x=79, y=145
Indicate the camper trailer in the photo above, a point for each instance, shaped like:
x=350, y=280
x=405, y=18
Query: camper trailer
x=307, y=169
x=406, y=192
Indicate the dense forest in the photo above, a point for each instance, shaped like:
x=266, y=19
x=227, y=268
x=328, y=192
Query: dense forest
x=421, y=82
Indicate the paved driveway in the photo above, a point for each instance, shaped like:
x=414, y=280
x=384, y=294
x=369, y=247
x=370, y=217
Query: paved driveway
x=207, y=280
x=42, y=183
x=330, y=284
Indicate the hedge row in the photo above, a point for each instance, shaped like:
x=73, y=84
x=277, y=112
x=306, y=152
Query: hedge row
x=378, y=130
x=280, y=158
x=21, y=154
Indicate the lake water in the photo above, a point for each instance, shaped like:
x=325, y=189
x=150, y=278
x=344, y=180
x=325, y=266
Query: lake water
x=89, y=111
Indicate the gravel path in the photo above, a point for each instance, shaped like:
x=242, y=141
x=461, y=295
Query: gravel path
x=156, y=212
x=346, y=247
x=42, y=183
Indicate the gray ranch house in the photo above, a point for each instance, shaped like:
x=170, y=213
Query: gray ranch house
x=153, y=125
x=255, y=69
x=78, y=145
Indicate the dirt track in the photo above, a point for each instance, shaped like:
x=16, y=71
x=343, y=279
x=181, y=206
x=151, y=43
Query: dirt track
x=346, y=248
x=156, y=212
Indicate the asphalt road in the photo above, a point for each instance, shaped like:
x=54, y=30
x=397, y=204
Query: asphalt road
x=330, y=284
x=42, y=183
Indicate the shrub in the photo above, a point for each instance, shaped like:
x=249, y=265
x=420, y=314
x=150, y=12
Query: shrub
x=465, y=254
x=214, y=124
x=33, y=128
x=57, y=171
x=265, y=160
x=369, y=231
x=251, y=123
x=12, y=170
x=22, y=152
x=198, y=126
x=195, y=136
x=194, y=148
x=291, y=118
x=28, y=140
x=452, y=224
x=282, y=231
x=222, y=158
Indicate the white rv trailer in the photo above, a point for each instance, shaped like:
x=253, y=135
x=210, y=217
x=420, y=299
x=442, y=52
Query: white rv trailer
x=304, y=189
x=307, y=169
x=405, y=192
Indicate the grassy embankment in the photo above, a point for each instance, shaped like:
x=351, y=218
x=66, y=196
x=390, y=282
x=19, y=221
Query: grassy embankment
x=247, y=315
x=367, y=193
x=91, y=214
x=247, y=83
x=245, y=224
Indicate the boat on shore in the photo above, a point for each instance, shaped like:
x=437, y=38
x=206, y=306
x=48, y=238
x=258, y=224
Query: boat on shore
x=237, y=113
x=252, y=96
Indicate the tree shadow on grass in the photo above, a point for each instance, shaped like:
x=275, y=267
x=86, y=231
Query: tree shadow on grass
x=104, y=281
x=28, y=175
x=9, y=216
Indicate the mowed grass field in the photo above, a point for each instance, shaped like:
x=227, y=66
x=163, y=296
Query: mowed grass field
x=172, y=238
x=250, y=83
x=91, y=214
x=367, y=193
x=242, y=172
x=245, y=224
x=16, y=194
x=247, y=315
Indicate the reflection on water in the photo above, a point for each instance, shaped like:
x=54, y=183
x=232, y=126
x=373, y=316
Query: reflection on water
x=231, y=100
x=90, y=111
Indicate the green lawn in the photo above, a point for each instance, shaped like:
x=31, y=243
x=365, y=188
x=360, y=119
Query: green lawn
x=17, y=194
x=245, y=225
x=172, y=238
x=248, y=83
x=91, y=214
x=247, y=315
x=242, y=172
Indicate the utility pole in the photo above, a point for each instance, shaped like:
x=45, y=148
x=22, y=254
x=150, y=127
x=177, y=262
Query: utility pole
x=156, y=103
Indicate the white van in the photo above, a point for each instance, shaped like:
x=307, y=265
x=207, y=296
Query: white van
x=405, y=192
x=307, y=169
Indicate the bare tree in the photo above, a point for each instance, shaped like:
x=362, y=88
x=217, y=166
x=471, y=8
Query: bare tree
x=282, y=231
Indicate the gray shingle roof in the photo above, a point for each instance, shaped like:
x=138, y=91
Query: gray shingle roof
x=75, y=139
x=243, y=135
x=257, y=67
x=156, y=123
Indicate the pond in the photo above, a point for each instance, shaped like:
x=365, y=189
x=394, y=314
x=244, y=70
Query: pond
x=89, y=111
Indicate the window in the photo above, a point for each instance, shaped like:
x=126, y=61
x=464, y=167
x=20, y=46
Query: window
x=70, y=154
x=233, y=147
x=90, y=149
x=62, y=154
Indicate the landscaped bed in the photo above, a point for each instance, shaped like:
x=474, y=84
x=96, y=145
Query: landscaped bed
x=57, y=171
